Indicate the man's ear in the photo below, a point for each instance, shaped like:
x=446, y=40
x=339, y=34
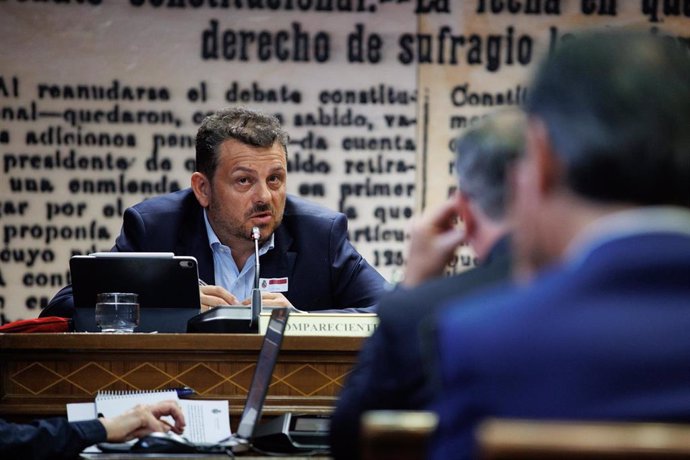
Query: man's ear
x=202, y=188
x=466, y=212
x=546, y=163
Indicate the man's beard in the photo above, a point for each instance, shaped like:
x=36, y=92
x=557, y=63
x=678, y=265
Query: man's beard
x=263, y=208
x=231, y=228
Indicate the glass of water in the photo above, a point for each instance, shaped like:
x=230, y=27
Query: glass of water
x=117, y=311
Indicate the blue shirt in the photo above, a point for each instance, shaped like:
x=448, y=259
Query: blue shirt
x=238, y=283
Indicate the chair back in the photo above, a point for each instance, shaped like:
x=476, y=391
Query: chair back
x=396, y=435
x=526, y=439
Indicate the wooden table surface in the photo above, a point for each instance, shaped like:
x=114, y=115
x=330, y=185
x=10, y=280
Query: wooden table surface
x=40, y=373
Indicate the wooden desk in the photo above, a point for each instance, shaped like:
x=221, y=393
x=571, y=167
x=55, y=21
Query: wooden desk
x=40, y=373
x=193, y=457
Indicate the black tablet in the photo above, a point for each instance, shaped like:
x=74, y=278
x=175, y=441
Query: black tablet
x=167, y=285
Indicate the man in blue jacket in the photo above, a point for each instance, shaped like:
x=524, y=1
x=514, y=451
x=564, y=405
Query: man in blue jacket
x=55, y=438
x=390, y=372
x=306, y=258
x=603, y=221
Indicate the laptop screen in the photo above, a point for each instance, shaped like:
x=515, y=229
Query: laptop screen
x=263, y=372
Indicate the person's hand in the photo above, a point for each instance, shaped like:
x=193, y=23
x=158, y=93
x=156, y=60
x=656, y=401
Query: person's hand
x=143, y=420
x=270, y=299
x=215, y=296
x=434, y=237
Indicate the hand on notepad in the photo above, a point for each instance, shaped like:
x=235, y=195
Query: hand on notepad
x=215, y=296
x=143, y=420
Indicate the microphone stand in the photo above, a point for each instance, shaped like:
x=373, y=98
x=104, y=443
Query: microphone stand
x=256, y=292
x=228, y=319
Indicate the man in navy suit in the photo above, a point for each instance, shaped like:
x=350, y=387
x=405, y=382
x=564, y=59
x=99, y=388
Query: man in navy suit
x=390, y=370
x=603, y=225
x=56, y=438
x=240, y=183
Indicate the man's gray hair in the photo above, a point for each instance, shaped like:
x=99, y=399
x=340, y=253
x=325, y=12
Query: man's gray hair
x=485, y=154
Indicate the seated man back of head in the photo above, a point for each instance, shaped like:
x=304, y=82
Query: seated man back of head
x=602, y=219
x=390, y=370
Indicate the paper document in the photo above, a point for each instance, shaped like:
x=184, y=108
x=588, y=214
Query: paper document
x=208, y=421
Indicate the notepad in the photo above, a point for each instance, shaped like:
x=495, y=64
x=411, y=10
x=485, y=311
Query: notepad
x=207, y=421
x=113, y=403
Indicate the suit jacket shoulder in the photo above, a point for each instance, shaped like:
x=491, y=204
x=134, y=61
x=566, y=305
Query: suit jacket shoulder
x=408, y=306
x=162, y=223
x=313, y=250
x=390, y=370
x=599, y=337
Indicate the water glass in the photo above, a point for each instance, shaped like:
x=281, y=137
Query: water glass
x=117, y=312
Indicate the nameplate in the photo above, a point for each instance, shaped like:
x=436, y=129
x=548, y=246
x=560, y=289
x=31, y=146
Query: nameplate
x=326, y=324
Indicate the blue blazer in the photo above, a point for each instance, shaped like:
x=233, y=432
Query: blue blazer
x=391, y=372
x=324, y=270
x=49, y=438
x=603, y=337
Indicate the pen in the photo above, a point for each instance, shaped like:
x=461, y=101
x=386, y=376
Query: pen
x=202, y=282
x=183, y=392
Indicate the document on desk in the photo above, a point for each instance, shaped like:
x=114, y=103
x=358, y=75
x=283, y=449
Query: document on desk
x=207, y=421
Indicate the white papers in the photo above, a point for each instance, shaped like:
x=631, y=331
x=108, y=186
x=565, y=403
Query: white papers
x=77, y=412
x=207, y=421
x=112, y=404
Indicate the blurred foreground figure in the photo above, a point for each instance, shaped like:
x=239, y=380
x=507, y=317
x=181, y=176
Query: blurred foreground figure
x=390, y=370
x=602, y=222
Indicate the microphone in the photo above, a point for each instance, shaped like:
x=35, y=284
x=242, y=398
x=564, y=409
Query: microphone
x=230, y=318
x=256, y=292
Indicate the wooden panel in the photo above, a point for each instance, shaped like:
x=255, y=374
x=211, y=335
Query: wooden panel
x=40, y=373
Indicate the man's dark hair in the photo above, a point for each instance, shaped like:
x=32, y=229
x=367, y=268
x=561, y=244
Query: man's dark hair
x=484, y=155
x=616, y=106
x=247, y=126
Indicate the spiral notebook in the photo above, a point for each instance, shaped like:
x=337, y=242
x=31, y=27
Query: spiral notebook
x=111, y=403
x=208, y=421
